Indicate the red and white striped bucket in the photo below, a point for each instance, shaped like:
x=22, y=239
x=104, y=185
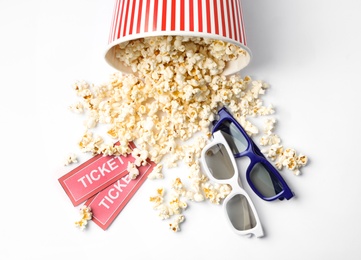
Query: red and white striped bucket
x=216, y=19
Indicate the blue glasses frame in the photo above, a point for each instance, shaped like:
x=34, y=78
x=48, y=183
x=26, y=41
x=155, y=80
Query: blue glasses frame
x=274, y=179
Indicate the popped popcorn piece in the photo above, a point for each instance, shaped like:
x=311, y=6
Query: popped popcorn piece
x=271, y=139
x=273, y=152
x=223, y=191
x=196, y=196
x=156, y=172
x=164, y=212
x=175, y=225
x=269, y=126
x=215, y=193
x=107, y=149
x=91, y=121
x=302, y=160
x=176, y=206
x=90, y=143
x=71, y=158
x=133, y=170
x=140, y=156
x=85, y=215
x=178, y=186
x=158, y=198
x=77, y=108
x=197, y=179
x=81, y=224
x=80, y=87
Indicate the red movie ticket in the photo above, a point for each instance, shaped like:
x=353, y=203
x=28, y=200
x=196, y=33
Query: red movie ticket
x=94, y=175
x=107, y=204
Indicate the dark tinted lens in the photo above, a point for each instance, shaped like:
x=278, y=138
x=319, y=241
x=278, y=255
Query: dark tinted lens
x=264, y=181
x=240, y=213
x=219, y=162
x=234, y=137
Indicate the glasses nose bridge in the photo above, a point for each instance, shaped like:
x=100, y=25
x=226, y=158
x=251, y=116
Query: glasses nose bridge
x=246, y=154
x=253, y=153
x=255, y=149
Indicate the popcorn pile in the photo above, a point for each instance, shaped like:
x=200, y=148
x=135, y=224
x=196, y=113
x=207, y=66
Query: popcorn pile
x=167, y=107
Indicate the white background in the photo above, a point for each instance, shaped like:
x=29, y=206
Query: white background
x=308, y=51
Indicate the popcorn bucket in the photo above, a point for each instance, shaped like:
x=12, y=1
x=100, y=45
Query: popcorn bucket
x=216, y=19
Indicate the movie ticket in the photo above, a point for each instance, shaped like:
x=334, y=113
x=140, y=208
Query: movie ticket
x=107, y=204
x=93, y=176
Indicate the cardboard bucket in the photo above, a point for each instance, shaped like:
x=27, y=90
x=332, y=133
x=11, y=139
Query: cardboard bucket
x=216, y=19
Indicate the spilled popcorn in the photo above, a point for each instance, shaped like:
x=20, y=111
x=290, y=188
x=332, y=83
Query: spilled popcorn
x=157, y=172
x=175, y=225
x=71, y=158
x=167, y=108
x=85, y=215
x=275, y=151
x=133, y=170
